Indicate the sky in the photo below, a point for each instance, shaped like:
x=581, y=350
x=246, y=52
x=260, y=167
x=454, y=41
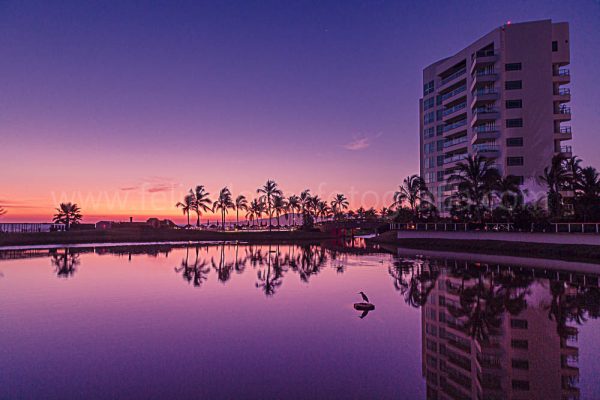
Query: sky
x=122, y=107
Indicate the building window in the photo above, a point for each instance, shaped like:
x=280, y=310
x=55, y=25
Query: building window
x=429, y=147
x=520, y=385
x=440, y=145
x=440, y=174
x=513, y=85
x=554, y=45
x=428, y=103
x=428, y=133
x=440, y=162
x=514, y=142
x=514, y=103
x=439, y=130
x=428, y=88
x=514, y=161
x=512, y=67
x=520, y=364
x=438, y=99
x=428, y=118
x=429, y=178
x=438, y=115
x=431, y=345
x=514, y=123
x=518, y=323
x=519, y=344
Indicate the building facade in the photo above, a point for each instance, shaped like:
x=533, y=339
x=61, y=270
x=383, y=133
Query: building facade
x=504, y=98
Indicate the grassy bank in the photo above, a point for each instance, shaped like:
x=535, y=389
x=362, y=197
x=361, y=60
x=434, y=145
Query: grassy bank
x=567, y=252
x=152, y=235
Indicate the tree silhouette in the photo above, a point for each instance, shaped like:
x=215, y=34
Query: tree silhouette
x=68, y=214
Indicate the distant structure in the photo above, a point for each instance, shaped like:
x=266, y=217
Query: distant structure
x=151, y=223
x=503, y=98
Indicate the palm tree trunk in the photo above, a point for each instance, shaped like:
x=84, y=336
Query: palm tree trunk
x=198, y=219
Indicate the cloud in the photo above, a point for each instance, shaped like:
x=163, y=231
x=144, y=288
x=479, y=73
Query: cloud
x=160, y=187
x=126, y=189
x=361, y=142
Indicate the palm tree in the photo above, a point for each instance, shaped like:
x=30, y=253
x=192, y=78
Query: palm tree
x=186, y=206
x=413, y=191
x=305, y=199
x=255, y=210
x=508, y=191
x=293, y=204
x=587, y=192
x=269, y=190
x=339, y=204
x=279, y=206
x=201, y=202
x=473, y=179
x=556, y=178
x=68, y=214
x=223, y=203
x=323, y=209
x=241, y=203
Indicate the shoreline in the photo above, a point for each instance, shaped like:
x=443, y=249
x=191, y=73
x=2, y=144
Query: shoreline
x=567, y=252
x=117, y=237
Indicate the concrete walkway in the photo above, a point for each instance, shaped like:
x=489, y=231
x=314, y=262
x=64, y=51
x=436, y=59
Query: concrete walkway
x=523, y=237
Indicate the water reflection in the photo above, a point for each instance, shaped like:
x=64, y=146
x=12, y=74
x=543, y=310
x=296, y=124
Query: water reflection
x=489, y=331
x=496, y=331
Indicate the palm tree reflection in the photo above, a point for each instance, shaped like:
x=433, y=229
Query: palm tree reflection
x=64, y=263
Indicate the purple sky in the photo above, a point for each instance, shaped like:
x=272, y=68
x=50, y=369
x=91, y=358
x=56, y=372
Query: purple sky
x=97, y=97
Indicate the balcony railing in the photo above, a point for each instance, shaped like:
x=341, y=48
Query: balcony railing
x=486, y=53
x=454, y=75
x=562, y=92
x=458, y=157
x=450, y=143
x=565, y=129
x=454, y=109
x=483, y=91
x=566, y=149
x=453, y=93
x=485, y=72
x=562, y=72
x=485, y=110
x=485, y=128
x=486, y=148
x=458, y=124
x=564, y=110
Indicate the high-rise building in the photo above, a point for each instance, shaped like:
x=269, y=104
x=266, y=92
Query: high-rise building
x=503, y=98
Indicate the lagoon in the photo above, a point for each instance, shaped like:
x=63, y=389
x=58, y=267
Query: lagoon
x=266, y=321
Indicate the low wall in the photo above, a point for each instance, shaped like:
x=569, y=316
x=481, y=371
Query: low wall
x=549, y=238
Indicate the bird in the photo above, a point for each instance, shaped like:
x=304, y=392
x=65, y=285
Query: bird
x=364, y=296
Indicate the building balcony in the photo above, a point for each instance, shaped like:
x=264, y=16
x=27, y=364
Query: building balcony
x=455, y=144
x=562, y=113
x=484, y=114
x=563, y=134
x=453, y=78
x=564, y=152
x=562, y=95
x=483, y=59
x=455, y=128
x=485, y=136
x=487, y=150
x=454, y=95
x=561, y=76
x=455, y=111
x=483, y=96
x=483, y=78
x=453, y=160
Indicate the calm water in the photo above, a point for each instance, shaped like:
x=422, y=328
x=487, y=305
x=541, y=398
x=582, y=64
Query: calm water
x=277, y=322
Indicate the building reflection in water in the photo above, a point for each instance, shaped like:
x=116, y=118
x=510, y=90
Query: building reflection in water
x=493, y=332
